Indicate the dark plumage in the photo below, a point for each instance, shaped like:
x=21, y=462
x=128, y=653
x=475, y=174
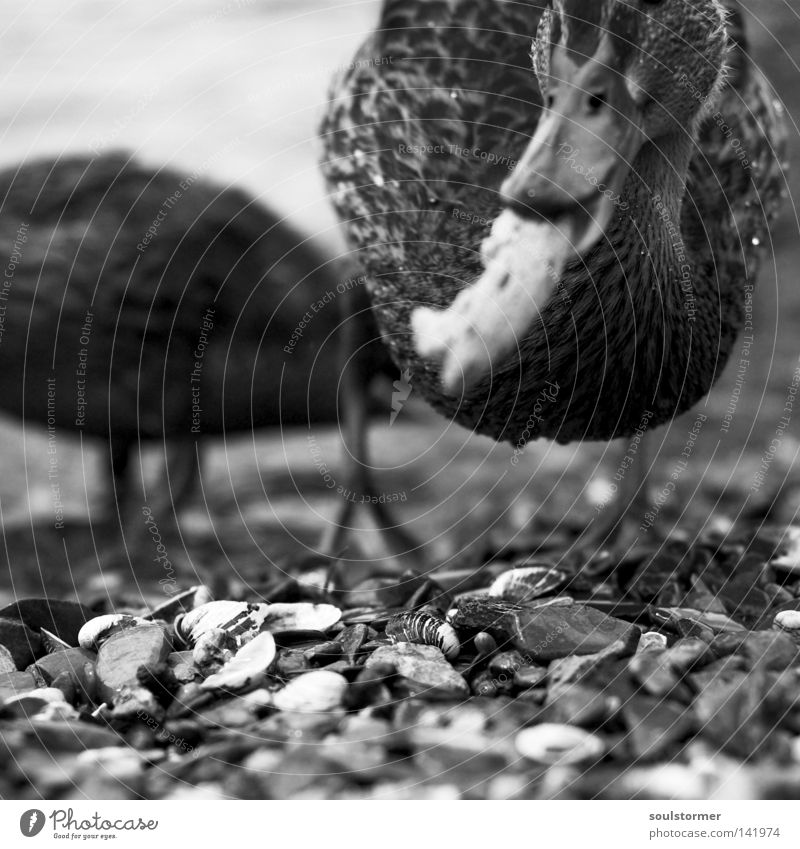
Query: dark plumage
x=423, y=139
x=145, y=294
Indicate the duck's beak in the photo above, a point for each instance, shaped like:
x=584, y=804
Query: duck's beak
x=575, y=168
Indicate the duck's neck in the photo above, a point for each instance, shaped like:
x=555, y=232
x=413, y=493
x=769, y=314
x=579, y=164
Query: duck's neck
x=655, y=193
x=669, y=254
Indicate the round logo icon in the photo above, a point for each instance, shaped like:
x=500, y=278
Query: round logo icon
x=31, y=822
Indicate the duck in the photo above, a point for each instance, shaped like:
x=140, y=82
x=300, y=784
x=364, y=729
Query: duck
x=559, y=206
x=145, y=305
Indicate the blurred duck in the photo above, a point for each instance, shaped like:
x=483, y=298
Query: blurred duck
x=144, y=305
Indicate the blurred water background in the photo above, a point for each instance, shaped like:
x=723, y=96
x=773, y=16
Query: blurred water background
x=235, y=89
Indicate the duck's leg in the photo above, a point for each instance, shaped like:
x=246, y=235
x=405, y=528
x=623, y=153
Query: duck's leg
x=171, y=492
x=354, y=404
x=120, y=449
x=145, y=542
x=113, y=553
x=181, y=474
x=616, y=528
x=360, y=352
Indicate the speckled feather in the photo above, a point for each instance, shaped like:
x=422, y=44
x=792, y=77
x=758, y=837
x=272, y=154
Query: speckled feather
x=437, y=77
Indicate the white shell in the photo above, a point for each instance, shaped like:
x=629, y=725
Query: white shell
x=789, y=621
x=422, y=628
x=6, y=661
x=651, y=640
x=248, y=668
x=96, y=631
x=301, y=616
x=45, y=704
x=312, y=692
x=448, y=641
x=187, y=600
x=123, y=763
x=527, y=582
x=57, y=712
x=46, y=695
x=790, y=560
x=551, y=743
x=213, y=650
x=240, y=619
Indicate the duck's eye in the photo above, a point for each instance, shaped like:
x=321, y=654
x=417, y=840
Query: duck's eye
x=597, y=100
x=550, y=101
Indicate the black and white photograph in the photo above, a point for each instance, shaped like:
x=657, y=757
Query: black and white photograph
x=400, y=401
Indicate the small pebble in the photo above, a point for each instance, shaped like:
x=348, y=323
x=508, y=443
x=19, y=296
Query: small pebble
x=371, y=687
x=120, y=764
x=779, y=594
x=312, y=692
x=656, y=675
x=506, y=663
x=291, y=662
x=530, y=676
x=61, y=618
x=324, y=653
x=188, y=699
x=21, y=643
x=484, y=684
x=552, y=744
x=121, y=655
x=69, y=660
x=66, y=683
x=182, y=665
x=133, y=702
x=485, y=644
x=688, y=653
x=96, y=631
x=425, y=666
x=352, y=638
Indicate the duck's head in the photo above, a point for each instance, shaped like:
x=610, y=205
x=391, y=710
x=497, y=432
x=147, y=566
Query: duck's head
x=615, y=75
